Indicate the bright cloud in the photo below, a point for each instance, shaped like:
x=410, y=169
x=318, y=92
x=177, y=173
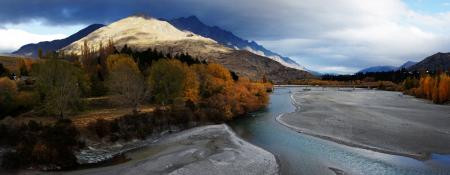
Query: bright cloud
x=12, y=38
x=16, y=35
x=365, y=33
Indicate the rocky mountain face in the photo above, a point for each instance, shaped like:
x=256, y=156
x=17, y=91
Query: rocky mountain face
x=141, y=33
x=228, y=39
x=436, y=62
x=31, y=50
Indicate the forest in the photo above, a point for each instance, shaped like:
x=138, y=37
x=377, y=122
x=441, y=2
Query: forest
x=182, y=92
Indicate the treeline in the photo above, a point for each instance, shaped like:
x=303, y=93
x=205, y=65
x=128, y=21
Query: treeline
x=429, y=85
x=208, y=88
x=393, y=76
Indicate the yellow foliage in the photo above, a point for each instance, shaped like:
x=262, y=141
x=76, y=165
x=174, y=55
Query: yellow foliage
x=191, y=85
x=435, y=88
x=444, y=88
x=113, y=61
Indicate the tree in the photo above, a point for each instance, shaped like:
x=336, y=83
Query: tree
x=8, y=92
x=167, y=80
x=40, y=53
x=444, y=88
x=58, y=83
x=125, y=81
x=214, y=79
x=25, y=66
x=3, y=71
x=191, y=85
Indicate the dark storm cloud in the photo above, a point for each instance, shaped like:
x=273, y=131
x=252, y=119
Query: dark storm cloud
x=66, y=11
x=242, y=17
x=328, y=35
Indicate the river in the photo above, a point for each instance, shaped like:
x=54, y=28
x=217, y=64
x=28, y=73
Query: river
x=302, y=154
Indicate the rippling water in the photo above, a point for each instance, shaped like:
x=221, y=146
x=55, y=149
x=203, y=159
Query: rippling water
x=301, y=154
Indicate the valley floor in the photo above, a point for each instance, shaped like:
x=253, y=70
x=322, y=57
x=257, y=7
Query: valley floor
x=378, y=120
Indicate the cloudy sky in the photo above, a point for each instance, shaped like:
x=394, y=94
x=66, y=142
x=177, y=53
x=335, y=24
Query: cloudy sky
x=331, y=36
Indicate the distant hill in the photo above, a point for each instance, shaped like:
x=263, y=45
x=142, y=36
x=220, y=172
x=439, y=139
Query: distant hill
x=378, y=69
x=31, y=50
x=228, y=39
x=438, y=61
x=141, y=33
x=407, y=65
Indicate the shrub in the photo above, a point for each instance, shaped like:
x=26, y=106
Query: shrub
x=100, y=127
x=47, y=146
x=12, y=160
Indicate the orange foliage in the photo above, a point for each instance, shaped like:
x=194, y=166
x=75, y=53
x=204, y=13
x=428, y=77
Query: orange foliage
x=444, y=88
x=435, y=88
x=191, y=85
x=224, y=98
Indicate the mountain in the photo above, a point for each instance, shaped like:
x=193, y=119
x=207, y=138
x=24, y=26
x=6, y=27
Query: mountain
x=388, y=68
x=407, y=65
x=378, y=69
x=31, y=50
x=228, y=39
x=141, y=33
x=438, y=61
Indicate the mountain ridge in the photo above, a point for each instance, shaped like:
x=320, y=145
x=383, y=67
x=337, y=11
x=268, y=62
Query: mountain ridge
x=378, y=69
x=31, y=49
x=142, y=33
x=227, y=38
x=437, y=62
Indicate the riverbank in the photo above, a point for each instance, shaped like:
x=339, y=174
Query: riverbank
x=212, y=149
x=382, y=121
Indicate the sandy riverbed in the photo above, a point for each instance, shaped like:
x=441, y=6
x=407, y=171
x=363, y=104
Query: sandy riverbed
x=379, y=120
x=213, y=149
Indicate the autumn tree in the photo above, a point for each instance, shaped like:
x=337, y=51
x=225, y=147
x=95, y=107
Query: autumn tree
x=214, y=79
x=444, y=88
x=25, y=66
x=170, y=81
x=216, y=89
x=59, y=84
x=125, y=81
x=435, y=88
x=191, y=85
x=410, y=83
